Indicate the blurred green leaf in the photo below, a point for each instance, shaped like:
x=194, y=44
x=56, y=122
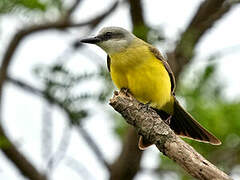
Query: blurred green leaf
x=60, y=83
x=121, y=127
x=4, y=143
x=32, y=4
x=156, y=35
x=77, y=116
x=7, y=6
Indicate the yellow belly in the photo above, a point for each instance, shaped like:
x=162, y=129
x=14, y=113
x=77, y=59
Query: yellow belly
x=144, y=75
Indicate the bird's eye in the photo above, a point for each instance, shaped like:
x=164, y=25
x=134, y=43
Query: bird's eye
x=108, y=34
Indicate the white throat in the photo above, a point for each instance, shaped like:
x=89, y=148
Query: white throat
x=114, y=46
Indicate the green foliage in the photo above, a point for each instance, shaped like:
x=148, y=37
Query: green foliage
x=203, y=99
x=32, y=4
x=121, y=126
x=4, y=143
x=20, y=6
x=156, y=34
x=141, y=31
x=7, y=6
x=60, y=85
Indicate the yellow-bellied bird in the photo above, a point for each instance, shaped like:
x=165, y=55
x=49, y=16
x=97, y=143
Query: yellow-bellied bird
x=140, y=67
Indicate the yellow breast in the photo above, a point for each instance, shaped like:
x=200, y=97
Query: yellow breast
x=143, y=74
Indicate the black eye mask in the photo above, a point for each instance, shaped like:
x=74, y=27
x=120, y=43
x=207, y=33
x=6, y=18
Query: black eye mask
x=110, y=35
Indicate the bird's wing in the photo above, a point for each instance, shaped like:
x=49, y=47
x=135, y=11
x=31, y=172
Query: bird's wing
x=158, y=55
x=108, y=63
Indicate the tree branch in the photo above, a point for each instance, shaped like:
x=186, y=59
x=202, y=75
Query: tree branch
x=91, y=143
x=57, y=156
x=137, y=17
x=62, y=24
x=127, y=165
x=11, y=151
x=24, y=165
x=150, y=125
x=208, y=13
x=72, y=8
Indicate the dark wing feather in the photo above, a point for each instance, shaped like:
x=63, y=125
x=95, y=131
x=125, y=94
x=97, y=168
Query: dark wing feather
x=158, y=55
x=108, y=63
x=185, y=125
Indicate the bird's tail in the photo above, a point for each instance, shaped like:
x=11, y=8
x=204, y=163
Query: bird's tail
x=185, y=125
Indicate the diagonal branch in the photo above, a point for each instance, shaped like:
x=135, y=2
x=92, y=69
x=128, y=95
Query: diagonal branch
x=11, y=150
x=137, y=17
x=24, y=165
x=91, y=143
x=127, y=164
x=208, y=13
x=73, y=8
x=62, y=24
x=57, y=156
x=150, y=125
x=101, y=17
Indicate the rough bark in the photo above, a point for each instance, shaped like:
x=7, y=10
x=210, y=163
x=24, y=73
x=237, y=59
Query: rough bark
x=127, y=165
x=207, y=14
x=149, y=124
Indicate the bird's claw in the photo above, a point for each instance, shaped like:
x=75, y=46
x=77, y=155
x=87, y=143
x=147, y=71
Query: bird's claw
x=147, y=105
x=125, y=90
x=168, y=120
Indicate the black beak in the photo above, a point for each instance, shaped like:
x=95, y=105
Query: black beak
x=93, y=40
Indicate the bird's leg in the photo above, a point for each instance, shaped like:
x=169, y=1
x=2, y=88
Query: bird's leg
x=168, y=120
x=147, y=105
x=125, y=90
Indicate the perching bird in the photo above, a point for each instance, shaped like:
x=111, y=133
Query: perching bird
x=140, y=67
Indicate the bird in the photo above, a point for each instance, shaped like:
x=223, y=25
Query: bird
x=139, y=67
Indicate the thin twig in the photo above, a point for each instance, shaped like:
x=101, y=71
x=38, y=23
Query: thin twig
x=81, y=131
x=91, y=143
x=42, y=27
x=79, y=168
x=26, y=168
x=127, y=164
x=208, y=13
x=61, y=149
x=73, y=8
x=47, y=128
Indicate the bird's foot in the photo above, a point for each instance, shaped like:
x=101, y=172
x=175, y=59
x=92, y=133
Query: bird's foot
x=125, y=91
x=147, y=105
x=168, y=120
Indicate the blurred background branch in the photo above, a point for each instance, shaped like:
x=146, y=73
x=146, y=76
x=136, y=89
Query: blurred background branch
x=72, y=120
x=11, y=151
x=208, y=13
x=59, y=86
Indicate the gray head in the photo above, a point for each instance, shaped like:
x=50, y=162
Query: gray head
x=111, y=39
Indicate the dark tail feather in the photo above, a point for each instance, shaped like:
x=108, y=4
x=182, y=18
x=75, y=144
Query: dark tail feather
x=184, y=125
